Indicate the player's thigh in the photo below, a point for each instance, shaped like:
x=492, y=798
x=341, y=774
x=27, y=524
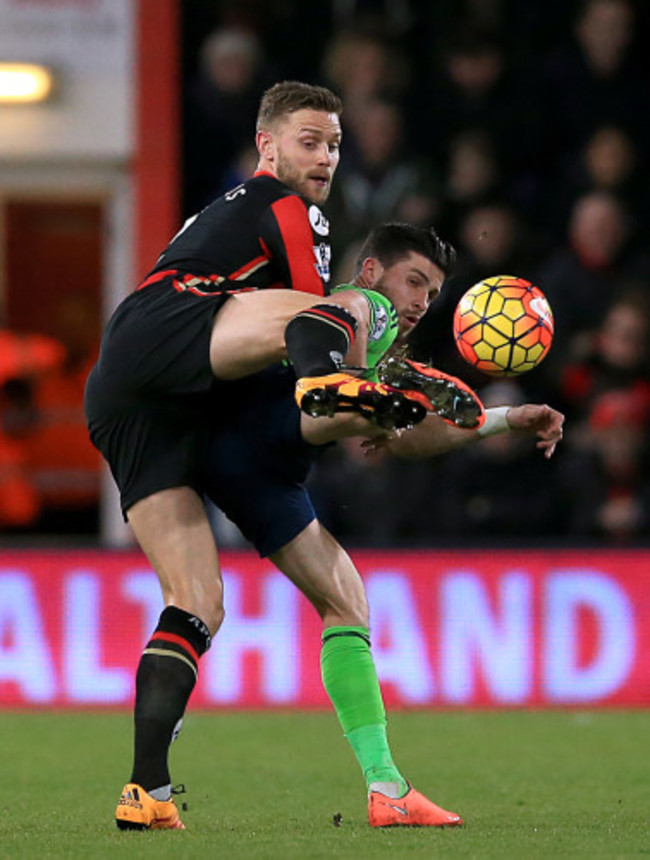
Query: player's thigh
x=174, y=532
x=319, y=566
x=248, y=331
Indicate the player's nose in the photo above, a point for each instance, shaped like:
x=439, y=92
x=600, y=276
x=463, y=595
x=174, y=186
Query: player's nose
x=325, y=155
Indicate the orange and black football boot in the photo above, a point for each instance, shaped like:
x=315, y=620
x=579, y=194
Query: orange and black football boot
x=388, y=407
x=451, y=398
x=138, y=810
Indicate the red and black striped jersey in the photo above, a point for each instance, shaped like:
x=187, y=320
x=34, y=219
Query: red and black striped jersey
x=259, y=235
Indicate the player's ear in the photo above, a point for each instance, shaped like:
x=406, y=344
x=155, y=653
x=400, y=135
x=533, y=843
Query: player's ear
x=265, y=145
x=371, y=271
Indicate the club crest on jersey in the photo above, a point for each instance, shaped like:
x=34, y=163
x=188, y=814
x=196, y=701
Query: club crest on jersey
x=379, y=324
x=323, y=254
x=318, y=221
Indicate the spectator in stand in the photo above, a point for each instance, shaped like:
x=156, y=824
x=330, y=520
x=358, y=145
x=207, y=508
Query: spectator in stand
x=474, y=89
x=597, y=78
x=473, y=176
x=220, y=109
x=605, y=484
x=603, y=476
x=609, y=162
x=471, y=88
x=618, y=360
x=613, y=163
x=494, y=238
x=582, y=279
x=380, y=178
x=361, y=65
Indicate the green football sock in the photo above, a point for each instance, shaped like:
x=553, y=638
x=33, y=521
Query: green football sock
x=350, y=678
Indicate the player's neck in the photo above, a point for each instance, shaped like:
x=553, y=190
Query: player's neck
x=362, y=281
x=265, y=167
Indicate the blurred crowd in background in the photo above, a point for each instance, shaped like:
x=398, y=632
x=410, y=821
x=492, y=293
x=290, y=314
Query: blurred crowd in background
x=518, y=130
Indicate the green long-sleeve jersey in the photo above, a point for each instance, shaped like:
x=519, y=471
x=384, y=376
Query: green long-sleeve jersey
x=384, y=323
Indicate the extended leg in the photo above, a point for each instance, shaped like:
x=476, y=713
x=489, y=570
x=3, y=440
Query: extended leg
x=326, y=575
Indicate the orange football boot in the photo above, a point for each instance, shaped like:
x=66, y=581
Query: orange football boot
x=451, y=398
x=138, y=810
x=388, y=407
x=412, y=810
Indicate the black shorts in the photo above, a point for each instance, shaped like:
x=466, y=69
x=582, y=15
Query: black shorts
x=147, y=397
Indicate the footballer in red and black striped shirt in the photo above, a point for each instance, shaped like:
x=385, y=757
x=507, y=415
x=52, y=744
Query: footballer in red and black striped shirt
x=261, y=234
x=207, y=313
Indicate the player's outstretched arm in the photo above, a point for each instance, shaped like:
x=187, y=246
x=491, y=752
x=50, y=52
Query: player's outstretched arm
x=434, y=436
x=538, y=420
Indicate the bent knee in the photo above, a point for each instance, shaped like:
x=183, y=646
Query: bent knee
x=213, y=612
x=207, y=605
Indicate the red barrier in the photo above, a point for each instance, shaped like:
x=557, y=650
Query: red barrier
x=496, y=629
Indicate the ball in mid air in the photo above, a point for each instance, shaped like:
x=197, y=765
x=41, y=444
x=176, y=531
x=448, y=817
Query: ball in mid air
x=503, y=326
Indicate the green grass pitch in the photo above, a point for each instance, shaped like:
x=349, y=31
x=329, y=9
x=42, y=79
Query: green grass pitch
x=268, y=785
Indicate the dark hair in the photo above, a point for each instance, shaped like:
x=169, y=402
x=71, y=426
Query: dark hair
x=290, y=96
x=390, y=243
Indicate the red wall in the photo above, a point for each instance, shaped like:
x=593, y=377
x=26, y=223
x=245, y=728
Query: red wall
x=502, y=629
x=157, y=157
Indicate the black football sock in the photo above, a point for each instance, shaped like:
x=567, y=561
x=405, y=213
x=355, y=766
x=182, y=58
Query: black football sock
x=165, y=678
x=318, y=339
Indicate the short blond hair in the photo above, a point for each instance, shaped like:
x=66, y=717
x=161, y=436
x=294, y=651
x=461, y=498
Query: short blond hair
x=290, y=96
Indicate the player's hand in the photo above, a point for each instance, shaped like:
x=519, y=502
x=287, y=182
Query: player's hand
x=539, y=420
